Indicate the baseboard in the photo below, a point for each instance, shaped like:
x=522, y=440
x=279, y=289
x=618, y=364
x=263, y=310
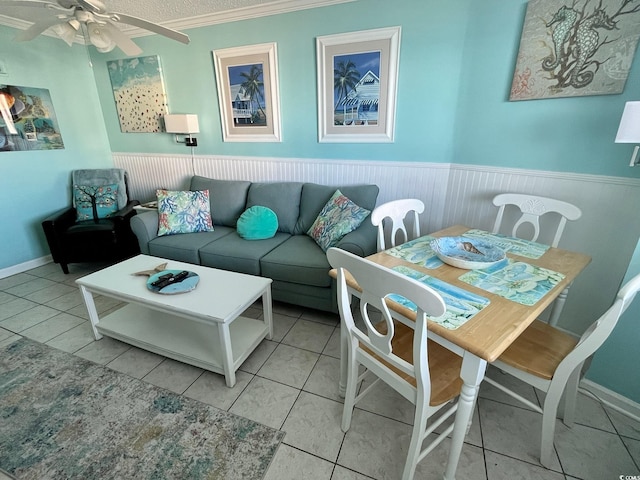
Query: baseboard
x=23, y=267
x=612, y=399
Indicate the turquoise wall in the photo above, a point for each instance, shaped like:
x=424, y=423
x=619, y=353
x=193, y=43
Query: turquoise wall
x=614, y=365
x=456, y=65
x=560, y=134
x=36, y=183
x=433, y=36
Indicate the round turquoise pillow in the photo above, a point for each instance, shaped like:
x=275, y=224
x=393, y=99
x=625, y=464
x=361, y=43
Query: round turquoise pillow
x=257, y=223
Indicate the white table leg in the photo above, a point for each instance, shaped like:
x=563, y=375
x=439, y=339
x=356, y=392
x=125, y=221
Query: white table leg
x=227, y=354
x=472, y=373
x=91, y=309
x=267, y=310
x=558, y=305
x=342, y=385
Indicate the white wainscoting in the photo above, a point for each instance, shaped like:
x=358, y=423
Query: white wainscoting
x=453, y=194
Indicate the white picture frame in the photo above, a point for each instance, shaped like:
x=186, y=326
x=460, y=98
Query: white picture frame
x=250, y=110
x=360, y=106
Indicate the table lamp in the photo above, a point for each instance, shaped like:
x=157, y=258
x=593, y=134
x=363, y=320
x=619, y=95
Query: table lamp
x=629, y=129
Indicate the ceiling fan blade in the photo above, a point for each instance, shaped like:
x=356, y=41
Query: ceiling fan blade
x=123, y=42
x=152, y=27
x=93, y=6
x=37, y=28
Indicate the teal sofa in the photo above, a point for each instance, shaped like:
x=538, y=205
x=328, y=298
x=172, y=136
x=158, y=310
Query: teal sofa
x=296, y=264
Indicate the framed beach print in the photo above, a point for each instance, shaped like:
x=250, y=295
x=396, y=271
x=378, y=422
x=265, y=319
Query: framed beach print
x=357, y=83
x=247, y=81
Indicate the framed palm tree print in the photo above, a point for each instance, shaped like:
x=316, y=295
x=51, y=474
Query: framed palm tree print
x=357, y=83
x=248, y=93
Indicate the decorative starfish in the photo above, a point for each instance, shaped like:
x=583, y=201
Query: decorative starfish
x=148, y=273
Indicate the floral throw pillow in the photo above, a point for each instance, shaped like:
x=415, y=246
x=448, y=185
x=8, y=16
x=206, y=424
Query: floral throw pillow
x=183, y=212
x=95, y=201
x=337, y=218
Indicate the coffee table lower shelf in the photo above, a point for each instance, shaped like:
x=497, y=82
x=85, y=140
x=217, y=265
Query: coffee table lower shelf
x=182, y=339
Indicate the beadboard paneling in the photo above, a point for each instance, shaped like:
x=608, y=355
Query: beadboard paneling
x=453, y=194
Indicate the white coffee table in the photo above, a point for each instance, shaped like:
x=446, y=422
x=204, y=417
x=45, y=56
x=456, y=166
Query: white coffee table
x=202, y=327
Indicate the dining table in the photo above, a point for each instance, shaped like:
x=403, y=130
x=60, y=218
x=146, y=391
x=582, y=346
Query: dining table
x=489, y=331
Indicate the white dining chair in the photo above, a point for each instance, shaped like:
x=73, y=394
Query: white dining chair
x=532, y=207
x=551, y=360
x=397, y=211
x=423, y=372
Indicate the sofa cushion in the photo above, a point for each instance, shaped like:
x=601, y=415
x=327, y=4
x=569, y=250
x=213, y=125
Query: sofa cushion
x=257, y=223
x=227, y=198
x=281, y=197
x=298, y=260
x=185, y=247
x=337, y=218
x=237, y=254
x=315, y=196
x=183, y=212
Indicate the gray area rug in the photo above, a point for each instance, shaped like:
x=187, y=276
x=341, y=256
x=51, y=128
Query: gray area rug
x=62, y=417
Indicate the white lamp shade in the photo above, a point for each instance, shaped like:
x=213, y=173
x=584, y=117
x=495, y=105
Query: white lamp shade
x=629, y=129
x=181, y=123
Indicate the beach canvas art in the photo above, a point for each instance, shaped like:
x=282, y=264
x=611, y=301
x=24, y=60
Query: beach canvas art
x=28, y=120
x=573, y=48
x=139, y=93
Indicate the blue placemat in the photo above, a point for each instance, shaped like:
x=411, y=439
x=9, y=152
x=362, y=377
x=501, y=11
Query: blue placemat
x=418, y=252
x=517, y=246
x=516, y=281
x=461, y=305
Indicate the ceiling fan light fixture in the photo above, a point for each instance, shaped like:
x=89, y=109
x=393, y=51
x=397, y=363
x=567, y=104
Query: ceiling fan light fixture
x=99, y=38
x=91, y=19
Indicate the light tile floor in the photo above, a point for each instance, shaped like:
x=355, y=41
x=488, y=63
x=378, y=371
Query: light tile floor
x=291, y=383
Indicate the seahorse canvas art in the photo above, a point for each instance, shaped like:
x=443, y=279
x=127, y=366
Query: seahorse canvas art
x=573, y=48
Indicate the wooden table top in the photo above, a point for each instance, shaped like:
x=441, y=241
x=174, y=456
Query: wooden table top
x=496, y=326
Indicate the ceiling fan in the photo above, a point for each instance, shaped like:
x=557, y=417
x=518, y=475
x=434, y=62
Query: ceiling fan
x=93, y=21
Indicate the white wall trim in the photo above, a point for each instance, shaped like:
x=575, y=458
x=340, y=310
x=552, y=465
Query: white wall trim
x=14, y=22
x=580, y=177
x=233, y=15
x=238, y=14
x=23, y=267
x=613, y=399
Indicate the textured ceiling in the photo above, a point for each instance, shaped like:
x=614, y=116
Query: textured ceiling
x=153, y=10
x=171, y=13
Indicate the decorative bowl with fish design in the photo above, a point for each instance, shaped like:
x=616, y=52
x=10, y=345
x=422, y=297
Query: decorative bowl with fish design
x=467, y=253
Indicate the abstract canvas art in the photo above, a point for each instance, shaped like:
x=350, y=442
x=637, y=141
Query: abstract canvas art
x=27, y=120
x=573, y=48
x=139, y=93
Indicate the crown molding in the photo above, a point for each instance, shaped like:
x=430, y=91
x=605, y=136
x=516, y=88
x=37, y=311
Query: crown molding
x=237, y=14
x=23, y=25
x=234, y=15
x=14, y=22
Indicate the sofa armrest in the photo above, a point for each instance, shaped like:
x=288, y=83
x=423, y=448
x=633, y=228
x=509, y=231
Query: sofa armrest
x=362, y=241
x=145, y=227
